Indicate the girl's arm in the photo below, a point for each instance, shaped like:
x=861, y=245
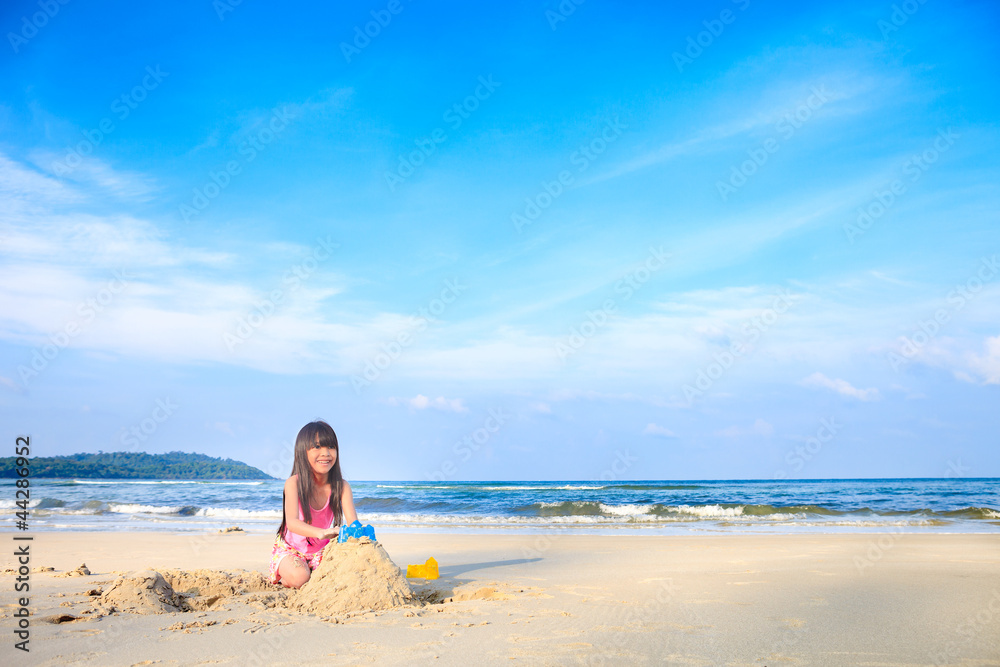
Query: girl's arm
x=292, y=520
x=347, y=504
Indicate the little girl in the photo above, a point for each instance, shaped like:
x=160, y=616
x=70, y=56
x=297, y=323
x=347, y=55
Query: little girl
x=308, y=525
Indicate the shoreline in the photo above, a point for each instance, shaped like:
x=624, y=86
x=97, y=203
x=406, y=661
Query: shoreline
x=643, y=507
x=639, y=529
x=558, y=598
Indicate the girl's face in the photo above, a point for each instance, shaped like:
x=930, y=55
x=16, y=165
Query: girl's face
x=321, y=459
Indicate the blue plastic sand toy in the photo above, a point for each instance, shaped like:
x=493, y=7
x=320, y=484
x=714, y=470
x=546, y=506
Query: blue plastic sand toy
x=356, y=530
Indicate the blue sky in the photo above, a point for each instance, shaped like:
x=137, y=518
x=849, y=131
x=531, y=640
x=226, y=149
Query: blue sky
x=513, y=241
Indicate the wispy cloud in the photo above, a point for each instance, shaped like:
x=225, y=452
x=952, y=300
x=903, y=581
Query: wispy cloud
x=842, y=387
x=658, y=431
x=987, y=366
x=252, y=121
x=96, y=174
x=753, y=115
x=222, y=427
x=184, y=300
x=759, y=427
x=421, y=402
x=25, y=190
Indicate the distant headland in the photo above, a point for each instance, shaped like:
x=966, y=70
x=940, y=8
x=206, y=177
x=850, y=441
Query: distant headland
x=134, y=465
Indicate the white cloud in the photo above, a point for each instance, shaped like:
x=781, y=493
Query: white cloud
x=25, y=190
x=987, y=366
x=421, y=402
x=629, y=397
x=316, y=108
x=658, y=431
x=759, y=427
x=760, y=115
x=970, y=358
x=184, y=300
x=890, y=279
x=222, y=427
x=842, y=387
x=96, y=173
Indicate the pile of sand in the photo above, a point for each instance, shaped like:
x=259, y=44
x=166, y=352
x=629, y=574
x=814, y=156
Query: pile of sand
x=202, y=589
x=216, y=582
x=152, y=592
x=144, y=592
x=356, y=575
x=81, y=571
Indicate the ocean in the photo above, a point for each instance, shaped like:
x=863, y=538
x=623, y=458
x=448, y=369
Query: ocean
x=586, y=507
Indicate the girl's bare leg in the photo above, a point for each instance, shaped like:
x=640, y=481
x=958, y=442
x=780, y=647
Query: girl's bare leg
x=293, y=571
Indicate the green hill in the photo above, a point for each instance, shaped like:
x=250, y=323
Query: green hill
x=134, y=465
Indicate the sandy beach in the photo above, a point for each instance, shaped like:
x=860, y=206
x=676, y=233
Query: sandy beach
x=890, y=599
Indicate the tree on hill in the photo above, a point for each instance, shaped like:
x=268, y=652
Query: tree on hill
x=134, y=465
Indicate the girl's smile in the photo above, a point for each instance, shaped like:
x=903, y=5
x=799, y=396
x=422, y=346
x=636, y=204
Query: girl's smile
x=321, y=459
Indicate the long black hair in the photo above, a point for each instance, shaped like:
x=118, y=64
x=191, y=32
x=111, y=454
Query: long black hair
x=312, y=434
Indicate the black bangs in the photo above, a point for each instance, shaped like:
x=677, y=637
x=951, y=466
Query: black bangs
x=327, y=438
x=319, y=432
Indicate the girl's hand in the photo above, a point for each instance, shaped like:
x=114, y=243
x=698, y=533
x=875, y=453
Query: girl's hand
x=330, y=534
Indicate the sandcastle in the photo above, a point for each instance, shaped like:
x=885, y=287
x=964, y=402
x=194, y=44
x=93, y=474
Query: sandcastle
x=356, y=575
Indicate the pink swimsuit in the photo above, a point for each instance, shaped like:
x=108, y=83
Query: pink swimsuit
x=293, y=544
x=321, y=518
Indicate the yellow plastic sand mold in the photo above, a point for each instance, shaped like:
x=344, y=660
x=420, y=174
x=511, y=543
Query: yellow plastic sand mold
x=428, y=570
